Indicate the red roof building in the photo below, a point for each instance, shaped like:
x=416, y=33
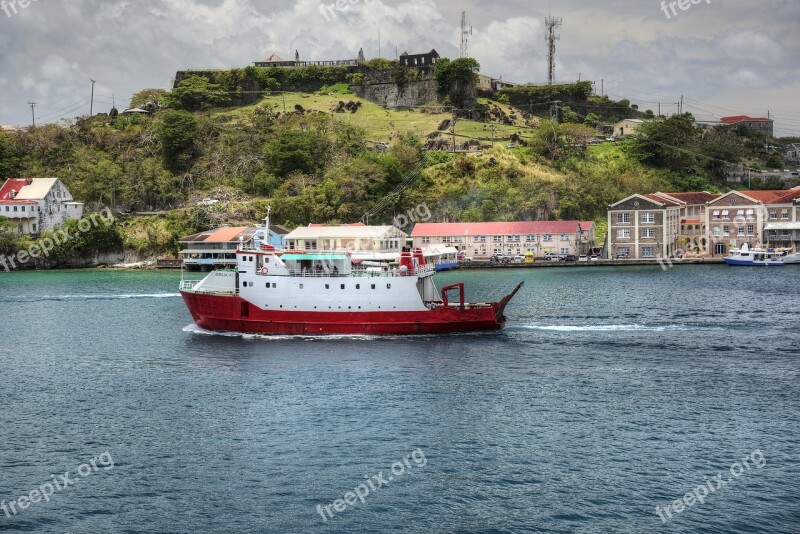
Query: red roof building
x=761, y=124
x=484, y=239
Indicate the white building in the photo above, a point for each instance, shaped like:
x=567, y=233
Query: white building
x=355, y=238
x=37, y=205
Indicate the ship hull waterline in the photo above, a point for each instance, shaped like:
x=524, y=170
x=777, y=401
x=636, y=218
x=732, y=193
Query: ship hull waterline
x=231, y=313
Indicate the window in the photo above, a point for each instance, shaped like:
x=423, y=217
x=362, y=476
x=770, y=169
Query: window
x=648, y=252
x=725, y=215
x=648, y=217
x=740, y=214
x=446, y=239
x=785, y=215
x=301, y=286
x=750, y=229
x=623, y=218
x=497, y=239
x=388, y=286
x=15, y=208
x=342, y=286
x=716, y=231
x=530, y=238
x=23, y=208
x=426, y=240
x=358, y=286
x=715, y=215
x=726, y=230
x=480, y=239
x=623, y=252
x=649, y=233
x=373, y=286
x=514, y=238
x=547, y=237
x=623, y=234
x=327, y=286
x=244, y=284
x=565, y=237
x=564, y=250
x=741, y=229
x=773, y=215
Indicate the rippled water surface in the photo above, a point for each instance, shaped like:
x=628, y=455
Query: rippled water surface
x=611, y=392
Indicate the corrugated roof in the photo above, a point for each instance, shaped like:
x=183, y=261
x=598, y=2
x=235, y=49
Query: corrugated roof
x=495, y=228
x=694, y=197
x=742, y=118
x=226, y=235
x=38, y=189
x=767, y=197
x=662, y=200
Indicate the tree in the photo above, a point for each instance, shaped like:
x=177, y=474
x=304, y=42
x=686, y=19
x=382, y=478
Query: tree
x=146, y=96
x=592, y=120
x=177, y=132
x=196, y=93
x=292, y=151
x=456, y=79
x=667, y=143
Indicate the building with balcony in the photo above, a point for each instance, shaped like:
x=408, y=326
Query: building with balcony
x=354, y=238
x=37, y=205
x=215, y=249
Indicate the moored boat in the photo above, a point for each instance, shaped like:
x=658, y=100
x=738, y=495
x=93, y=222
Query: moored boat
x=311, y=293
x=755, y=257
x=791, y=259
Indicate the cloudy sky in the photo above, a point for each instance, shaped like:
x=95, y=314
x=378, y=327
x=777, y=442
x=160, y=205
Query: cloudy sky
x=725, y=56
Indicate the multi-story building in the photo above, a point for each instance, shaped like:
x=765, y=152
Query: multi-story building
x=643, y=227
x=756, y=124
x=355, y=238
x=782, y=228
x=37, y=205
x=692, y=233
x=481, y=240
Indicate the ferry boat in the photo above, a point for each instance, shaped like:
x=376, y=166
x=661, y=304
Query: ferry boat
x=758, y=257
x=792, y=259
x=313, y=293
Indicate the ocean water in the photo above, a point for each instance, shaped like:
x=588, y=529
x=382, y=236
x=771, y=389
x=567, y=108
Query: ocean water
x=612, y=391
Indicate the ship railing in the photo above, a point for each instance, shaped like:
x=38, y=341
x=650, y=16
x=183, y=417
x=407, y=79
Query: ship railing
x=361, y=273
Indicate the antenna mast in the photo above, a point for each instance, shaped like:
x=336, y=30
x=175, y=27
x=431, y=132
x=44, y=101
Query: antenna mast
x=551, y=23
x=466, y=33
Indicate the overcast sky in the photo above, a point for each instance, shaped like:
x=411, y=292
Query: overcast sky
x=725, y=56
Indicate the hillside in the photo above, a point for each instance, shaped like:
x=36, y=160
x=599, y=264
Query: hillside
x=317, y=161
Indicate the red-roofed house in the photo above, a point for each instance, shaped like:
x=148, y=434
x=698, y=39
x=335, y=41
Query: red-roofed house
x=759, y=124
x=481, y=240
x=37, y=205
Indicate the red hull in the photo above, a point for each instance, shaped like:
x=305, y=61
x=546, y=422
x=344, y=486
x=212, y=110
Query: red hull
x=233, y=314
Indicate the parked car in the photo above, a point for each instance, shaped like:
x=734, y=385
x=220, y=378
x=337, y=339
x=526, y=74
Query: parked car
x=551, y=256
x=583, y=257
x=529, y=258
x=519, y=258
x=499, y=258
x=511, y=145
x=463, y=258
x=594, y=257
x=381, y=146
x=570, y=257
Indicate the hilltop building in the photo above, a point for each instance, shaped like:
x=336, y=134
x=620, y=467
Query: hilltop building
x=419, y=60
x=757, y=124
x=37, y=205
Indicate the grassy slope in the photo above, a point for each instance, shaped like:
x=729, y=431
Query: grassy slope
x=383, y=124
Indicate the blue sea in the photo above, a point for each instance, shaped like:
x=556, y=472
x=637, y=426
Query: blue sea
x=629, y=400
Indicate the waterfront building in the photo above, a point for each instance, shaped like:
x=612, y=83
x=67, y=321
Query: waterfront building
x=643, y=227
x=354, y=237
x=481, y=240
x=216, y=248
x=37, y=205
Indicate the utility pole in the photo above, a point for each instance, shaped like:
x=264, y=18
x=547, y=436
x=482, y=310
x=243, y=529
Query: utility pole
x=659, y=109
x=466, y=33
x=91, y=102
x=33, y=115
x=551, y=23
x=680, y=109
x=454, y=128
x=379, y=42
x=602, y=88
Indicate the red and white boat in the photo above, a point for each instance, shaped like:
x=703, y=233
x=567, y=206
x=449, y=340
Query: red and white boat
x=311, y=293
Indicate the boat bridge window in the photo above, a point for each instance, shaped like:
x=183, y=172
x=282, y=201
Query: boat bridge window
x=373, y=286
x=388, y=286
x=327, y=286
x=342, y=286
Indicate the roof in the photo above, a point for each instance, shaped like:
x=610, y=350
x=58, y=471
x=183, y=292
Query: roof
x=344, y=231
x=766, y=197
x=792, y=194
x=636, y=121
x=274, y=57
x=743, y=118
x=700, y=197
x=319, y=225
x=662, y=200
x=587, y=224
x=227, y=234
x=311, y=256
x=495, y=228
x=782, y=226
x=26, y=193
